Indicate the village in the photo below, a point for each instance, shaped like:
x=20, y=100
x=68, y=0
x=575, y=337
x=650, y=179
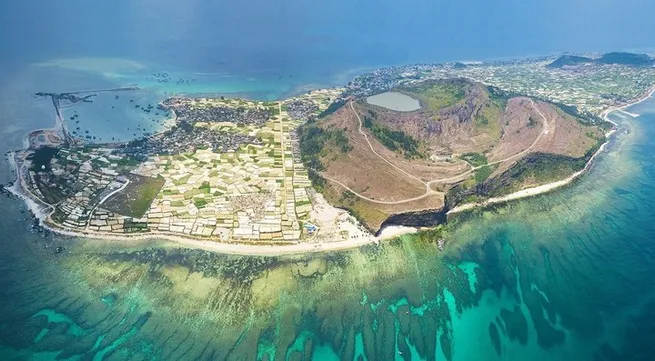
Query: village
x=590, y=87
x=228, y=171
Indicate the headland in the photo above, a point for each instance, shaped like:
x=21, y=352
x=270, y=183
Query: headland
x=328, y=170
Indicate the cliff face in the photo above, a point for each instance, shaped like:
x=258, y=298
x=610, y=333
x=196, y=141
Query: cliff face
x=429, y=218
x=380, y=163
x=534, y=169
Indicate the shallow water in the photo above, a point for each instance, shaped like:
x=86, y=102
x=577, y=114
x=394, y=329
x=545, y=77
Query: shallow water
x=564, y=276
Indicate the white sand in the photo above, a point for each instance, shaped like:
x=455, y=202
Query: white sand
x=530, y=192
x=331, y=220
x=390, y=232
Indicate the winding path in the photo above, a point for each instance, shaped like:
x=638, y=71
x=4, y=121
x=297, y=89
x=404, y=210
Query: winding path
x=428, y=189
x=376, y=153
x=103, y=201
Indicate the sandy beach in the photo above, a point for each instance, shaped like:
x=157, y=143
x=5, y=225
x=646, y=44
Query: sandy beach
x=43, y=212
x=545, y=188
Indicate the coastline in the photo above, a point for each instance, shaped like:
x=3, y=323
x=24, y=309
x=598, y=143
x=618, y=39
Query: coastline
x=549, y=187
x=42, y=212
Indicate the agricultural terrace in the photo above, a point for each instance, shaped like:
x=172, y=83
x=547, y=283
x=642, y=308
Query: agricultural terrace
x=228, y=170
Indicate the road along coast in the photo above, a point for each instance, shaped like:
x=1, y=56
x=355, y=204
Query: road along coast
x=43, y=212
x=545, y=188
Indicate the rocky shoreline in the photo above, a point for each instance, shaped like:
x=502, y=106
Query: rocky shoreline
x=431, y=218
x=419, y=219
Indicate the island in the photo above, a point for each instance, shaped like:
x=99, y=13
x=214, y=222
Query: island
x=465, y=142
x=396, y=150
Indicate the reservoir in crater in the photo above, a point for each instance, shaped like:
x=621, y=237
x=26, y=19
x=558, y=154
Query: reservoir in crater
x=394, y=101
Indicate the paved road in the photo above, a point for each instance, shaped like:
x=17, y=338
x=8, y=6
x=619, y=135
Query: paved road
x=103, y=201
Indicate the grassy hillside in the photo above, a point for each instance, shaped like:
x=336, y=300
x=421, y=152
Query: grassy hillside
x=468, y=141
x=436, y=95
x=394, y=140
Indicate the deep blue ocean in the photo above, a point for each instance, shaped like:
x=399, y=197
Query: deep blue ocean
x=564, y=276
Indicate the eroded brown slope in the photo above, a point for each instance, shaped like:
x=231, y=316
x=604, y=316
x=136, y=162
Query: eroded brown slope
x=460, y=127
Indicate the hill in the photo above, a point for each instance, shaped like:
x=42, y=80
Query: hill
x=626, y=59
x=569, y=60
x=630, y=59
x=466, y=142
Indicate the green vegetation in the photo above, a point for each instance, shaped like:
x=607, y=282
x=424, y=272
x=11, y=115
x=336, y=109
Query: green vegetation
x=205, y=188
x=199, y=202
x=130, y=226
x=395, y=140
x=182, y=180
x=341, y=141
x=488, y=117
x=366, y=214
x=314, y=142
x=333, y=107
x=318, y=182
x=481, y=121
x=569, y=60
x=535, y=168
x=499, y=97
x=482, y=173
x=41, y=158
x=541, y=168
x=127, y=161
x=348, y=198
x=135, y=199
x=583, y=116
x=626, y=59
x=475, y=159
x=428, y=236
x=438, y=94
x=51, y=194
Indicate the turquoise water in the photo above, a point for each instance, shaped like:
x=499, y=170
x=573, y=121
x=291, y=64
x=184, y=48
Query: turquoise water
x=566, y=276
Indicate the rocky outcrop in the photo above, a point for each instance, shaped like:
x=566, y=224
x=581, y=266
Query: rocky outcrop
x=427, y=218
x=544, y=167
x=629, y=59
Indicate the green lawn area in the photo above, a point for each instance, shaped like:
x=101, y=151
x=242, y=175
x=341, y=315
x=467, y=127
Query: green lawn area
x=475, y=159
x=135, y=199
x=438, y=95
x=482, y=173
x=182, y=180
